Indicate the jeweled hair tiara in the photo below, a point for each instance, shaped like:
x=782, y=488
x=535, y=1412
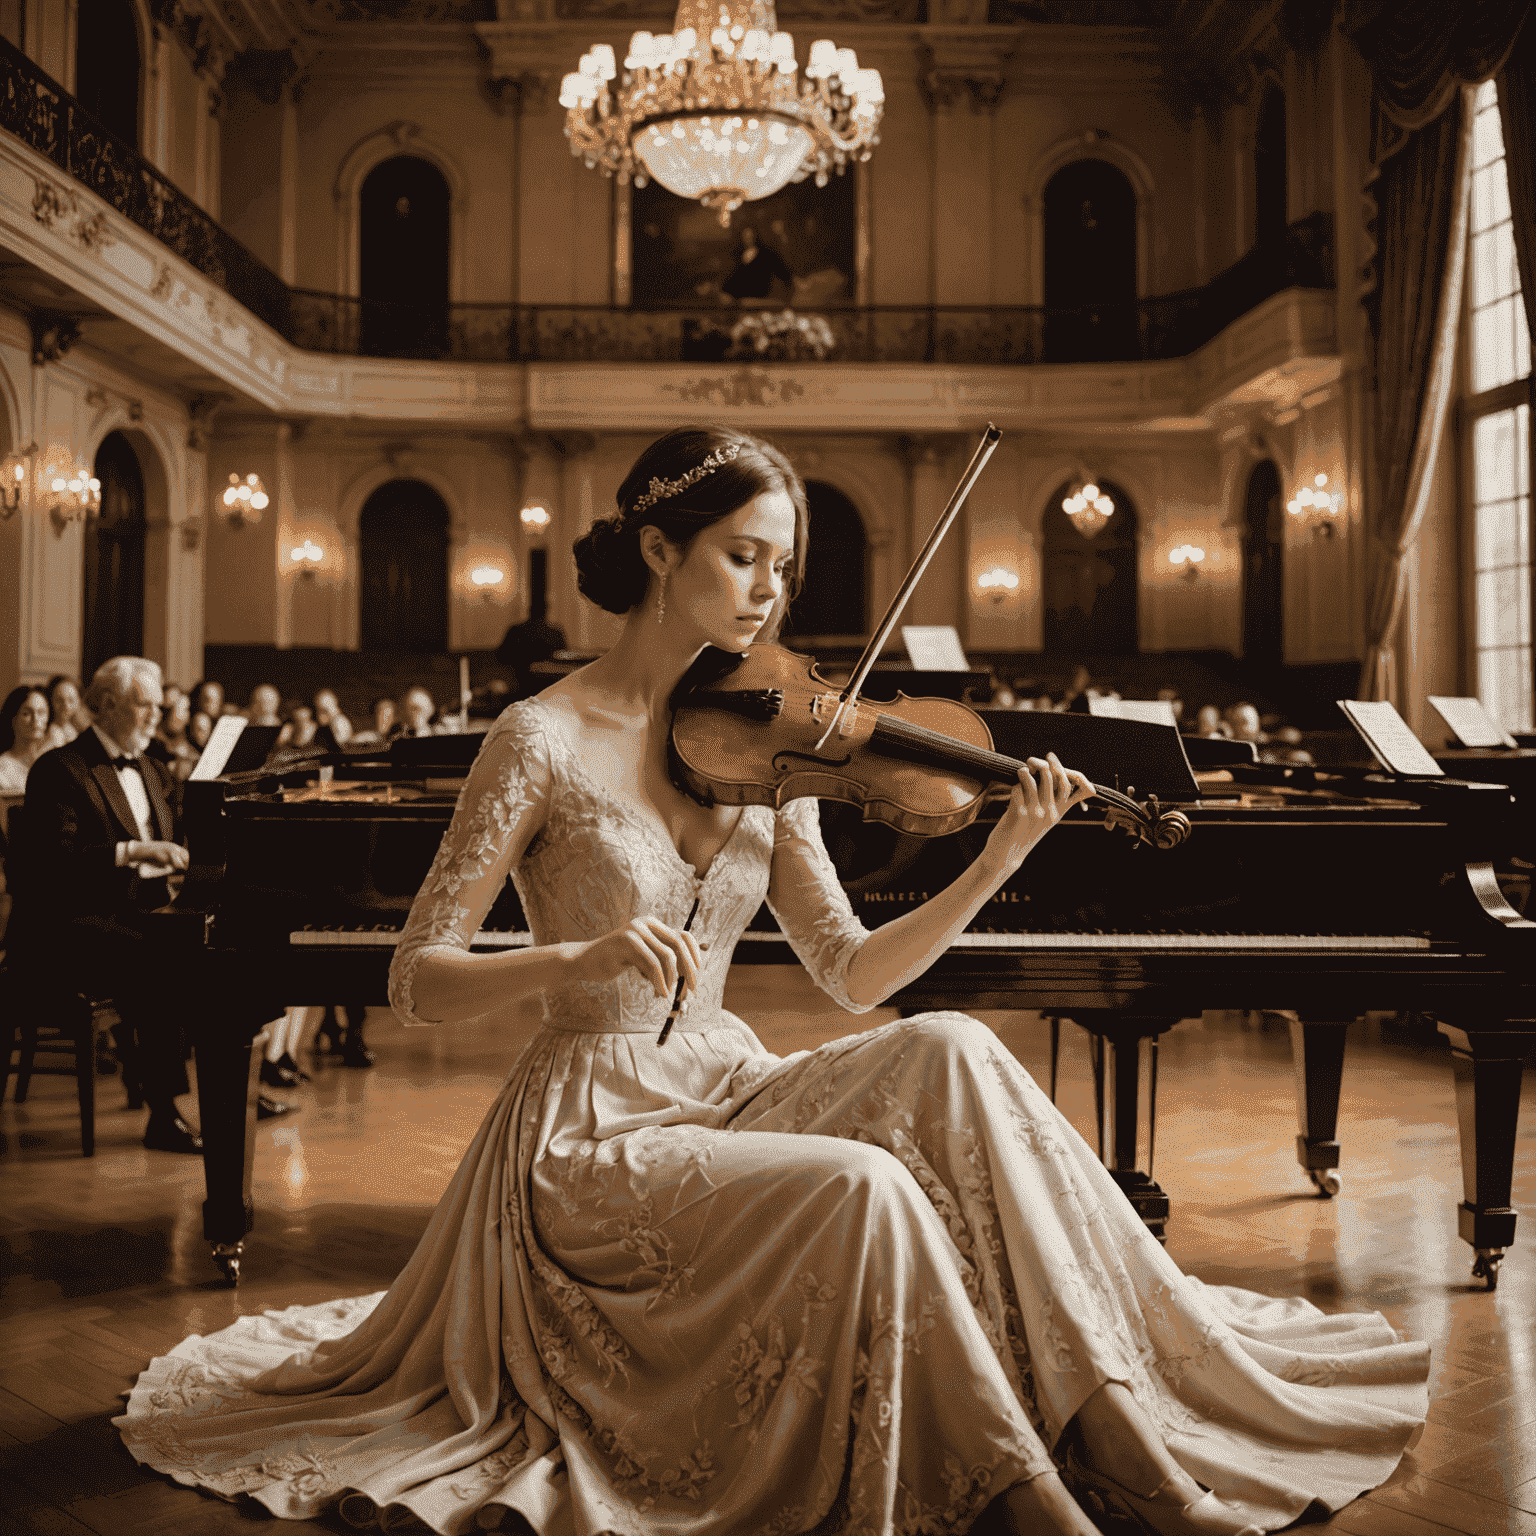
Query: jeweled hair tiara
x=661, y=489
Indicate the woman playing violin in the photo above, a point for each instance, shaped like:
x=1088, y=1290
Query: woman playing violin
x=689, y=1286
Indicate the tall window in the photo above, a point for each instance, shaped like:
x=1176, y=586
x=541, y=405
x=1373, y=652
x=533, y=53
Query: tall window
x=1497, y=422
x=1090, y=264
x=107, y=66
x=403, y=259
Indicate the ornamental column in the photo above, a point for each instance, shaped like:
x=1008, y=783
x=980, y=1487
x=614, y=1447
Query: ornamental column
x=940, y=595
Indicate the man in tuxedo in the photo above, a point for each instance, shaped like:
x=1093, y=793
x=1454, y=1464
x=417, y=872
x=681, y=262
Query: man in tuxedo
x=101, y=843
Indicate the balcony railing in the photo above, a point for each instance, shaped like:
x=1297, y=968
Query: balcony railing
x=43, y=115
x=1172, y=326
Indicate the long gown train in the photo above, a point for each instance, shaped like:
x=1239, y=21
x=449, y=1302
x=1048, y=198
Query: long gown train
x=696, y=1288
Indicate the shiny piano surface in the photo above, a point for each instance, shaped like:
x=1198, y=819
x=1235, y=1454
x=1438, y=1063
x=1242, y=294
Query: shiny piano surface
x=1322, y=895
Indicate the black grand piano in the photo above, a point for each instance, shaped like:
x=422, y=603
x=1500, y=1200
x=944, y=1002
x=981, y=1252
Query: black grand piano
x=1322, y=895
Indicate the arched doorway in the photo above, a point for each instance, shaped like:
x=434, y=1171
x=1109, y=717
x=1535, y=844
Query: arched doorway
x=1263, y=569
x=403, y=554
x=112, y=597
x=1091, y=585
x=107, y=66
x=1271, y=211
x=403, y=259
x=1089, y=244
x=832, y=601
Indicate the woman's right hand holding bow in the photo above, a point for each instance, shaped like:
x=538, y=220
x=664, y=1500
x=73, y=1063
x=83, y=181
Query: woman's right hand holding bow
x=660, y=953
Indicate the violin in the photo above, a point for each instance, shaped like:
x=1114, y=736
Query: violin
x=751, y=729
x=765, y=727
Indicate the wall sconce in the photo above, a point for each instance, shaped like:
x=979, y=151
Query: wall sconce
x=486, y=579
x=1189, y=556
x=997, y=583
x=1315, y=506
x=15, y=472
x=243, y=500
x=535, y=519
x=1087, y=506
x=307, y=557
x=68, y=489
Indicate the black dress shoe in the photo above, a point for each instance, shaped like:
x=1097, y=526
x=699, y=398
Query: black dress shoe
x=275, y=1075
x=355, y=1054
x=288, y=1064
x=170, y=1133
x=268, y=1109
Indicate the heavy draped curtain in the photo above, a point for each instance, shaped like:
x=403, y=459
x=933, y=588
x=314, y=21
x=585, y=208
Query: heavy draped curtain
x=1517, y=115
x=1424, y=56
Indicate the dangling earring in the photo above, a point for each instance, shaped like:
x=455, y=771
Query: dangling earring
x=661, y=599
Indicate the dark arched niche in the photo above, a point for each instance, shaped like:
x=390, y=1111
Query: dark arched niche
x=1090, y=264
x=112, y=597
x=403, y=258
x=1091, y=585
x=1270, y=213
x=833, y=599
x=1263, y=568
x=403, y=554
x=107, y=65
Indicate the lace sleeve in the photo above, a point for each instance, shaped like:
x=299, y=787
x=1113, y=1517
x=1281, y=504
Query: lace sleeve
x=811, y=906
x=500, y=810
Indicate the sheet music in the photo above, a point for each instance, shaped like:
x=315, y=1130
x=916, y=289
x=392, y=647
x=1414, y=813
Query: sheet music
x=1388, y=736
x=1470, y=723
x=1153, y=711
x=934, y=648
x=1105, y=709
x=226, y=732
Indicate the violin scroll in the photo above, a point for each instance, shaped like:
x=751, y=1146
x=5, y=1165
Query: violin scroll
x=1149, y=824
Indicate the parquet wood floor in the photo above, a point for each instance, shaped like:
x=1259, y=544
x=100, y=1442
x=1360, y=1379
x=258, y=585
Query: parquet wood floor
x=102, y=1262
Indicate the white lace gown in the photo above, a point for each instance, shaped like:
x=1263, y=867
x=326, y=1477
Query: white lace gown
x=697, y=1288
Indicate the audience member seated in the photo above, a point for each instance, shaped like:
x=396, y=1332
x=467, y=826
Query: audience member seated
x=1209, y=722
x=332, y=728
x=1242, y=721
x=264, y=705
x=299, y=728
x=199, y=729
x=100, y=843
x=66, y=715
x=381, y=715
x=208, y=697
x=24, y=737
x=418, y=715
x=172, y=745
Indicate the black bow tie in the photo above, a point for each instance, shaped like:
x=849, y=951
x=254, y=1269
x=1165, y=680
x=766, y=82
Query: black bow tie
x=128, y=762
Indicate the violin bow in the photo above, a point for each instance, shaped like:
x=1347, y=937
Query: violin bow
x=850, y=694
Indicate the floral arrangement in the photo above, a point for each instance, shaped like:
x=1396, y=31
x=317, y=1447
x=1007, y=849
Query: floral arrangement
x=783, y=336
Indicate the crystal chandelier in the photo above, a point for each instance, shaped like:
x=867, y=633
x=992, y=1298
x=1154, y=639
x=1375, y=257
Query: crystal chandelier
x=714, y=111
x=1088, y=507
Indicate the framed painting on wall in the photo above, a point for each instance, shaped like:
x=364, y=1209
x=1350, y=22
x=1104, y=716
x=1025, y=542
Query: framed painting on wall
x=803, y=248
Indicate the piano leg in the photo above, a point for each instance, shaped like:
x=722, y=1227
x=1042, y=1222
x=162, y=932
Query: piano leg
x=1487, y=1064
x=228, y=1068
x=1317, y=1050
x=1117, y=1041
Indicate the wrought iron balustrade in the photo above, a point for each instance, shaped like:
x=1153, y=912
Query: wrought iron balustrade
x=37, y=110
x=42, y=114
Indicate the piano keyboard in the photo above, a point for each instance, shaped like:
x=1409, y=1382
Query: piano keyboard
x=1202, y=943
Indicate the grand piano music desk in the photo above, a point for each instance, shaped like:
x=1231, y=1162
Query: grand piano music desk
x=1324, y=895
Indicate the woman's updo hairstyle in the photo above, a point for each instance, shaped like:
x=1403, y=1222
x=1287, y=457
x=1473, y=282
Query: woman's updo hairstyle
x=611, y=571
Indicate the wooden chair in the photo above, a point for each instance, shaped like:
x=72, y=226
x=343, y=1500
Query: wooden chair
x=61, y=1028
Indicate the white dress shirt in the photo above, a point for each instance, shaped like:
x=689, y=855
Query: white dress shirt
x=132, y=780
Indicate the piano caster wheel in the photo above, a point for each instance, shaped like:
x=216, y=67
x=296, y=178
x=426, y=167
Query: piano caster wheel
x=1327, y=1181
x=1487, y=1266
x=227, y=1257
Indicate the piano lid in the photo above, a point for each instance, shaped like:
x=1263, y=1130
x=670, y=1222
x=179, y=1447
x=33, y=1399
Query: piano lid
x=1129, y=755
